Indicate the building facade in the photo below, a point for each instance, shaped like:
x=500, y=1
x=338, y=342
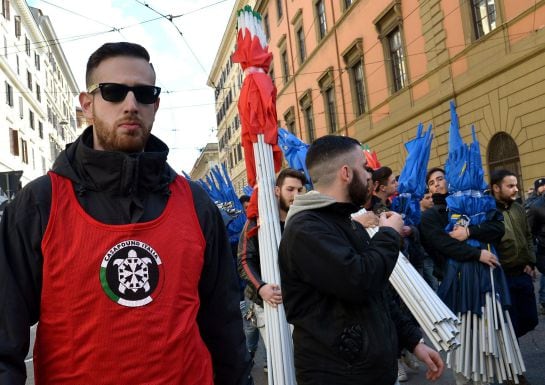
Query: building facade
x=375, y=69
x=208, y=158
x=37, y=113
x=226, y=78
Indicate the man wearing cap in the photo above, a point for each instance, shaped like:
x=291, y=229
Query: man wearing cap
x=536, y=218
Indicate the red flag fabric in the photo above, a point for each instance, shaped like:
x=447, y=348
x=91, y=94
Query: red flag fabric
x=372, y=160
x=257, y=101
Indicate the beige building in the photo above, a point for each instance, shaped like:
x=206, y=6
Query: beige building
x=226, y=78
x=375, y=69
x=205, y=162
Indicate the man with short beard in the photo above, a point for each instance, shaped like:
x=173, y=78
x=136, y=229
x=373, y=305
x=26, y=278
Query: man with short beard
x=516, y=252
x=289, y=184
x=124, y=264
x=334, y=276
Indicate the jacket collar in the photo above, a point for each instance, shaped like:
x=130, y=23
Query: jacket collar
x=117, y=172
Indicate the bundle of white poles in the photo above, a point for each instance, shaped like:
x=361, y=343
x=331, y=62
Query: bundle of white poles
x=279, y=343
x=437, y=321
x=489, y=351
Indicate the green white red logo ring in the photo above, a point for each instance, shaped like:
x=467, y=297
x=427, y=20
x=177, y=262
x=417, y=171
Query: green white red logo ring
x=131, y=273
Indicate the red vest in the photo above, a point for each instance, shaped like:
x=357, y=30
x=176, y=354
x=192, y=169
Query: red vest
x=119, y=302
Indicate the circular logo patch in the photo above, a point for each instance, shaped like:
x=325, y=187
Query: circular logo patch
x=131, y=273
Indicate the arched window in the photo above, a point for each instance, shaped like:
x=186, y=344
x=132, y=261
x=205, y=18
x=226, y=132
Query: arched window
x=503, y=153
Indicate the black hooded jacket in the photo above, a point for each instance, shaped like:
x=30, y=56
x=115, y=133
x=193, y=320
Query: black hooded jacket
x=442, y=246
x=334, y=281
x=114, y=188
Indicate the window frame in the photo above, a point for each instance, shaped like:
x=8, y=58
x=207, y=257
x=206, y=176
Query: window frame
x=321, y=29
x=387, y=23
x=327, y=88
x=305, y=102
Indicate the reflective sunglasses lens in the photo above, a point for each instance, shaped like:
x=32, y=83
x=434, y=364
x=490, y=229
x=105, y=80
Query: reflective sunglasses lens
x=146, y=94
x=114, y=92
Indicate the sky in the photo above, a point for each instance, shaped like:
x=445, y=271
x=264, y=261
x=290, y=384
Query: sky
x=186, y=119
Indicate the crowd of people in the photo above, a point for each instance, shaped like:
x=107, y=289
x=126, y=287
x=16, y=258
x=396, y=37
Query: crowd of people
x=128, y=269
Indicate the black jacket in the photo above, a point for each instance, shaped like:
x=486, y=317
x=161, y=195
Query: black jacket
x=114, y=188
x=334, y=279
x=441, y=246
x=536, y=220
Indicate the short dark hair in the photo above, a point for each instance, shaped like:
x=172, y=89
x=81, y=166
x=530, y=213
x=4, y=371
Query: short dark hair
x=244, y=198
x=431, y=171
x=290, y=173
x=381, y=175
x=496, y=176
x=324, y=154
x=110, y=50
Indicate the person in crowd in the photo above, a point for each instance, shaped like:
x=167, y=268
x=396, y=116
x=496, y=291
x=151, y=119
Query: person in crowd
x=245, y=201
x=428, y=266
x=536, y=218
x=124, y=264
x=442, y=245
x=289, y=184
x=384, y=188
x=516, y=252
x=334, y=276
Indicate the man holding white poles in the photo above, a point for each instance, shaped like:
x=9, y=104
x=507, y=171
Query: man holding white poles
x=289, y=184
x=334, y=278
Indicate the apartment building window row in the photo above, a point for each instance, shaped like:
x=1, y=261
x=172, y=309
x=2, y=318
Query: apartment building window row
x=397, y=60
x=31, y=118
x=389, y=27
x=484, y=16
x=284, y=61
x=224, y=107
x=348, y=3
x=9, y=94
x=301, y=44
x=327, y=88
x=308, y=115
x=37, y=61
x=279, y=10
x=24, y=151
x=14, y=142
x=17, y=23
x=321, y=18
x=358, y=87
x=29, y=80
x=5, y=9
x=289, y=118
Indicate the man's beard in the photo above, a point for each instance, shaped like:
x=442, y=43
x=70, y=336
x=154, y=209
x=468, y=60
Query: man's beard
x=358, y=191
x=284, y=204
x=112, y=140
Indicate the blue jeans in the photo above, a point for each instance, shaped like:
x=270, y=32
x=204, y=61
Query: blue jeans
x=250, y=328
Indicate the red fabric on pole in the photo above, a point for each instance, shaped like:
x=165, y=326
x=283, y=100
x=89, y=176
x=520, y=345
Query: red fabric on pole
x=257, y=101
x=372, y=160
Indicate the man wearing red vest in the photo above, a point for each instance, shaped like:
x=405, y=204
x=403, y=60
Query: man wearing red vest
x=125, y=264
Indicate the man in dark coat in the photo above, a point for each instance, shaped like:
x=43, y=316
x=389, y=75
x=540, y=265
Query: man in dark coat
x=516, y=252
x=346, y=327
x=125, y=264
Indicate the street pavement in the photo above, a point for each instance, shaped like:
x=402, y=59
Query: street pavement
x=532, y=346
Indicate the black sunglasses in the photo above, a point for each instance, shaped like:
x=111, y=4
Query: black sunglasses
x=115, y=93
